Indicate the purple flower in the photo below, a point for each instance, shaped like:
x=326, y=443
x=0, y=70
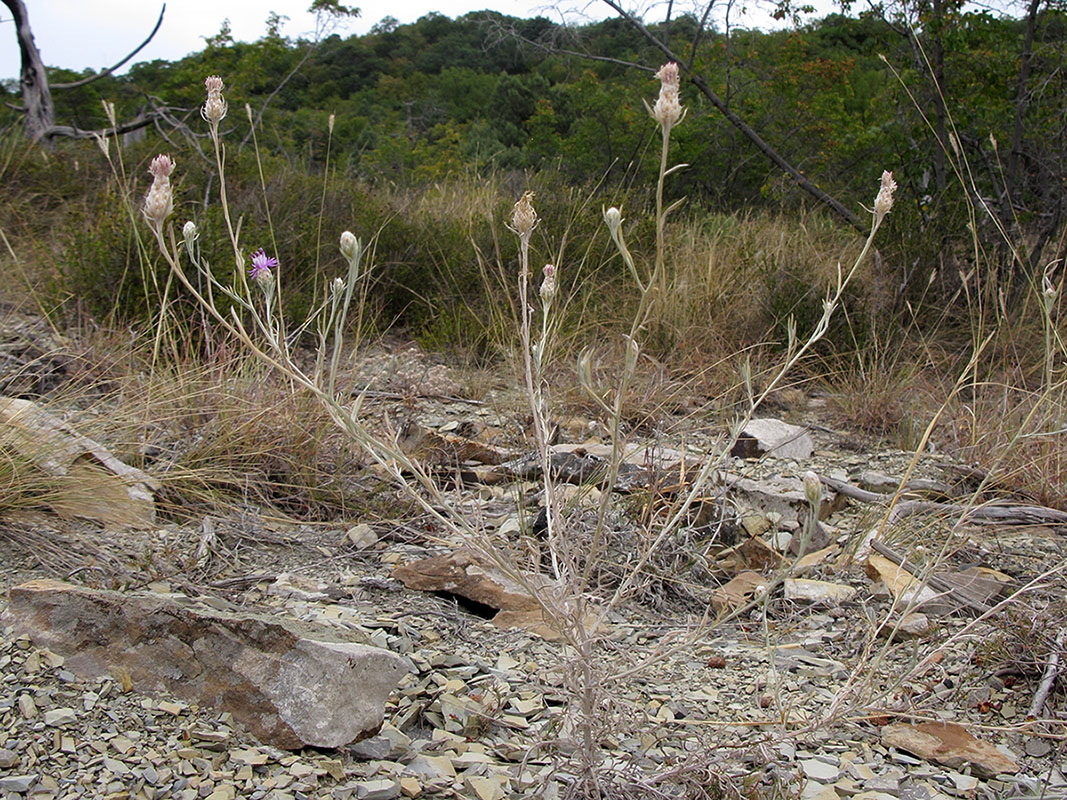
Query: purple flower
x=261, y=266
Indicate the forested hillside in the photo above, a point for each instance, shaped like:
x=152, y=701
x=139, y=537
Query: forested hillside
x=967, y=109
x=483, y=92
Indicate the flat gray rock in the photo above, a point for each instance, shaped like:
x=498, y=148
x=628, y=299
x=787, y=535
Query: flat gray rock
x=772, y=437
x=289, y=690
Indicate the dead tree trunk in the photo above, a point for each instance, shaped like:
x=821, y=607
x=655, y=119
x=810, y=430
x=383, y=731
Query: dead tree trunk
x=36, y=92
x=36, y=96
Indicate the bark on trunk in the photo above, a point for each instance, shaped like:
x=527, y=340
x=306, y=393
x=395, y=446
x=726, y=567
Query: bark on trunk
x=36, y=96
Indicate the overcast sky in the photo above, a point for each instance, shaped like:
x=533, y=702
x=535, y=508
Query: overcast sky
x=76, y=34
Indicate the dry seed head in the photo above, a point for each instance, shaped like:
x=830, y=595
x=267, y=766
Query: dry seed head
x=883, y=202
x=215, y=108
x=103, y=143
x=524, y=219
x=109, y=112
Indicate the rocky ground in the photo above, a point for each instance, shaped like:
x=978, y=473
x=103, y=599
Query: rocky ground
x=817, y=689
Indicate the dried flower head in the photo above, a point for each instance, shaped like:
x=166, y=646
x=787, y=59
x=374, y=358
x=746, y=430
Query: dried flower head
x=524, y=219
x=668, y=110
x=883, y=202
x=103, y=143
x=215, y=108
x=260, y=271
x=109, y=112
x=159, y=202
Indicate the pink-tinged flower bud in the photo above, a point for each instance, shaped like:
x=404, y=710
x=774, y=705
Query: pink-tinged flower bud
x=215, y=108
x=883, y=202
x=161, y=167
x=159, y=202
x=524, y=218
x=668, y=76
x=548, y=285
x=668, y=110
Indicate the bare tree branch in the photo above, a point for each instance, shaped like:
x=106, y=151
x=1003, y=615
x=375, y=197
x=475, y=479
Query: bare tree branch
x=109, y=70
x=741, y=125
x=70, y=132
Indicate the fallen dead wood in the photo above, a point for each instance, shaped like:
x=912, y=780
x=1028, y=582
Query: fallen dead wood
x=1052, y=671
x=985, y=514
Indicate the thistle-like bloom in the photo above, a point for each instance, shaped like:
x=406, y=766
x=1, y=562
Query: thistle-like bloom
x=215, y=108
x=524, y=219
x=260, y=271
x=883, y=202
x=668, y=110
x=548, y=285
x=159, y=202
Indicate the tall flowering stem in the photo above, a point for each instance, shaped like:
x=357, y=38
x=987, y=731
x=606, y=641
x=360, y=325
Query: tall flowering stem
x=668, y=112
x=523, y=221
x=214, y=111
x=795, y=351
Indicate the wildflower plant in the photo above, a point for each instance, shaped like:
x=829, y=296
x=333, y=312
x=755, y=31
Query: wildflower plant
x=572, y=603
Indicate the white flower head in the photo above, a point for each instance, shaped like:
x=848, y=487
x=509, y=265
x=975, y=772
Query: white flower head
x=350, y=245
x=215, y=108
x=613, y=218
x=812, y=488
